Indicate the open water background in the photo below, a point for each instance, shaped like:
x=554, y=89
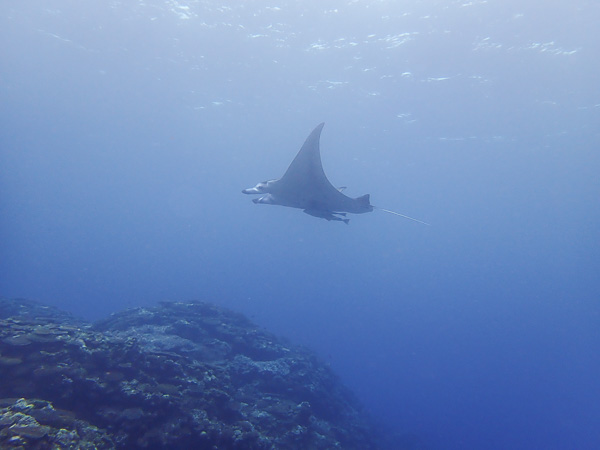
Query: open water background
x=129, y=128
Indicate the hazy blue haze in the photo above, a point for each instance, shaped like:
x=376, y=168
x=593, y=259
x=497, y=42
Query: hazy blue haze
x=129, y=128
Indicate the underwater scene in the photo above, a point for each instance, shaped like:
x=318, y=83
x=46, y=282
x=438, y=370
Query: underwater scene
x=262, y=224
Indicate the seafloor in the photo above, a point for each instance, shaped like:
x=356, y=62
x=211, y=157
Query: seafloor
x=178, y=375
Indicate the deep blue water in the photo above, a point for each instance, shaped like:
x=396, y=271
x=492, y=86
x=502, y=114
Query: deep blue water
x=128, y=129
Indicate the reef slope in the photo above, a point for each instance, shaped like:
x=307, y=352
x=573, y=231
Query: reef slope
x=178, y=375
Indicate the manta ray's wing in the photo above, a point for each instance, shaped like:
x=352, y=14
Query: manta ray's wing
x=306, y=178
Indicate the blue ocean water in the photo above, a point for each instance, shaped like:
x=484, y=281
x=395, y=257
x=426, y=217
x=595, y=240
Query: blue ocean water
x=128, y=130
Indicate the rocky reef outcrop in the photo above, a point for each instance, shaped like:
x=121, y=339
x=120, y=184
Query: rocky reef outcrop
x=178, y=375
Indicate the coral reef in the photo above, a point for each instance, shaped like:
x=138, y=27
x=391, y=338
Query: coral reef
x=178, y=375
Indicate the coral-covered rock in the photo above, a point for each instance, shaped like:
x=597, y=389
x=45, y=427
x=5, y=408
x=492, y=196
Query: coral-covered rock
x=35, y=424
x=179, y=375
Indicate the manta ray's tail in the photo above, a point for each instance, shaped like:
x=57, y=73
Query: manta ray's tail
x=401, y=215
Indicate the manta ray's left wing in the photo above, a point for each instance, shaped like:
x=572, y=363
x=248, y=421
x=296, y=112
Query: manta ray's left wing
x=306, y=175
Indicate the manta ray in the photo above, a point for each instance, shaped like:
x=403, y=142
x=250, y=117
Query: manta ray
x=304, y=185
